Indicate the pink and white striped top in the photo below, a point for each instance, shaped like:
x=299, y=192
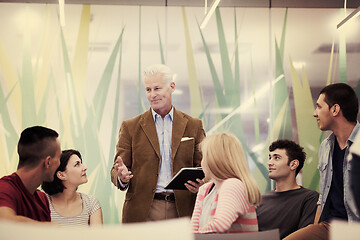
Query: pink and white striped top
x=226, y=210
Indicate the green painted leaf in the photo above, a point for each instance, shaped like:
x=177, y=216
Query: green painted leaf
x=308, y=131
x=225, y=60
x=217, y=86
x=195, y=94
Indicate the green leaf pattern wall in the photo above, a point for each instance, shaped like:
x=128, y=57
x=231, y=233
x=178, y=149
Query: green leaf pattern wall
x=238, y=74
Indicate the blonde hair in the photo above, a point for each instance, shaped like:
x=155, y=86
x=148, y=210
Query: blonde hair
x=224, y=157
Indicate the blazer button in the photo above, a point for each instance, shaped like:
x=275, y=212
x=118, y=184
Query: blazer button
x=153, y=190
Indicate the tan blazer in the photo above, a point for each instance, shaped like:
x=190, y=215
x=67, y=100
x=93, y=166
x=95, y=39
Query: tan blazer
x=139, y=148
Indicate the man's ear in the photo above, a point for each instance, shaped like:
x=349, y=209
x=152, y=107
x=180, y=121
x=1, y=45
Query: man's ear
x=47, y=162
x=335, y=109
x=172, y=86
x=294, y=164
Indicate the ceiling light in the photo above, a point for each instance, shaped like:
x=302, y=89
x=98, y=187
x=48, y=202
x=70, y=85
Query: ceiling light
x=351, y=16
x=209, y=14
x=62, y=12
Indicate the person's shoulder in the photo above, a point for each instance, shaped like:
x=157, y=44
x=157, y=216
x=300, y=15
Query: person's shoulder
x=203, y=188
x=327, y=141
x=303, y=194
x=85, y=196
x=5, y=179
x=138, y=117
x=268, y=199
x=88, y=198
x=135, y=120
x=90, y=203
x=9, y=182
x=9, y=178
x=233, y=187
x=233, y=183
x=309, y=192
x=187, y=116
x=269, y=194
x=233, y=180
x=192, y=122
x=43, y=196
x=10, y=192
x=206, y=185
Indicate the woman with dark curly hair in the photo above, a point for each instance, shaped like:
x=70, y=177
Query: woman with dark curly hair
x=69, y=207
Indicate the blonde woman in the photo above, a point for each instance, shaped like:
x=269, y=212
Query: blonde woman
x=227, y=202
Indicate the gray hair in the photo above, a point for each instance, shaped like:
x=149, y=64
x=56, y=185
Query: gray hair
x=165, y=71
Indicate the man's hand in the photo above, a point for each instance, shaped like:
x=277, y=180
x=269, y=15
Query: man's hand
x=122, y=171
x=194, y=186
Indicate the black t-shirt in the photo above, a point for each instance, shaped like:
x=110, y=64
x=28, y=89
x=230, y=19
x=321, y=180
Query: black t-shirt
x=288, y=211
x=336, y=194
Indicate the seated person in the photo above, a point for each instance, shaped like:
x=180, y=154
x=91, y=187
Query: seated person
x=227, y=202
x=290, y=207
x=69, y=207
x=39, y=156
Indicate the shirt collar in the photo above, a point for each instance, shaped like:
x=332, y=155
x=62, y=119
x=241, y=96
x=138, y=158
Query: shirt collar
x=171, y=113
x=354, y=132
x=351, y=138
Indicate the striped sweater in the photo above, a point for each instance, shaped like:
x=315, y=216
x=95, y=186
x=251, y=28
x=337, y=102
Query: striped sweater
x=90, y=204
x=224, y=210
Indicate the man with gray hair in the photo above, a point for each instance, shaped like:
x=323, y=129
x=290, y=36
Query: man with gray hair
x=153, y=147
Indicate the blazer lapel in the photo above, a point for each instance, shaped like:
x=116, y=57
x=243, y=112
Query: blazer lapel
x=148, y=125
x=179, y=125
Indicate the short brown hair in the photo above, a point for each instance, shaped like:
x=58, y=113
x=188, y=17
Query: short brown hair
x=36, y=143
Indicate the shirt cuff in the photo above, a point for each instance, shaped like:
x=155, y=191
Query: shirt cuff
x=122, y=185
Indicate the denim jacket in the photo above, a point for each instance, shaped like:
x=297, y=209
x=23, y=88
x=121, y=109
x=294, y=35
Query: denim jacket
x=325, y=167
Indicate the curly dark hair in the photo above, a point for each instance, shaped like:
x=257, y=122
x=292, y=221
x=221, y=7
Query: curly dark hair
x=293, y=151
x=57, y=186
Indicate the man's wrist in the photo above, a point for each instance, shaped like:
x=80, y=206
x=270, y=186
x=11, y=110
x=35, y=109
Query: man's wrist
x=122, y=184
